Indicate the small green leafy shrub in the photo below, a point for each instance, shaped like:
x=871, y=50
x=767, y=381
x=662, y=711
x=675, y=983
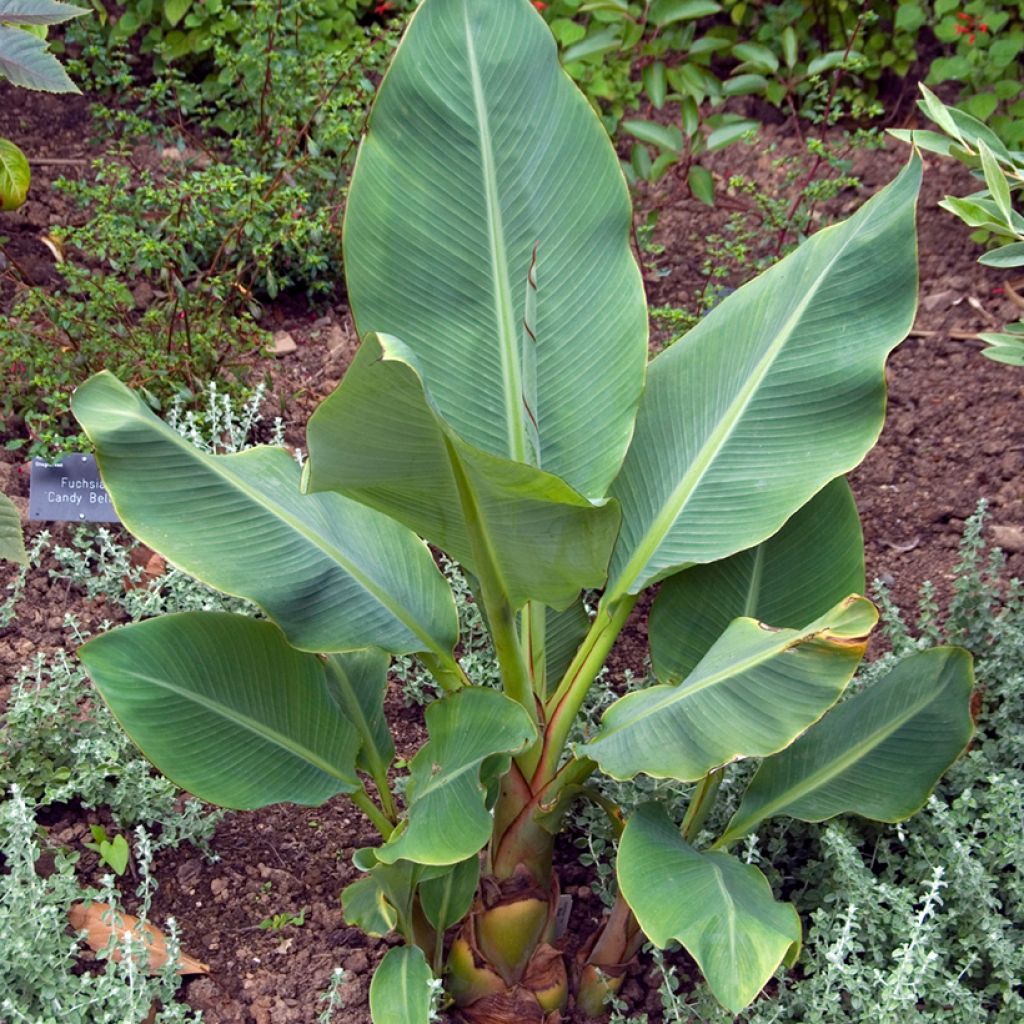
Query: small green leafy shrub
x=279, y=139
x=135, y=312
x=976, y=44
x=189, y=31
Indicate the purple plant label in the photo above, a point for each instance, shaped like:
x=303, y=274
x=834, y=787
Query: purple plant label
x=69, y=491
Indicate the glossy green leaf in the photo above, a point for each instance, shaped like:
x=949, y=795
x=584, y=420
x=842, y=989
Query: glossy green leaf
x=663, y=136
x=481, y=161
x=779, y=389
x=448, y=818
x=727, y=134
x=25, y=60
x=752, y=694
x=755, y=53
x=1004, y=348
x=933, y=142
x=702, y=185
x=175, y=10
x=654, y=83
x=381, y=439
x=742, y=85
x=365, y=906
x=226, y=709
x=789, y=45
x=996, y=182
x=1011, y=255
x=668, y=12
x=38, y=12
x=446, y=899
x=334, y=574
x=810, y=565
x=594, y=44
x=15, y=176
x=12, y=541
x=720, y=909
x=878, y=754
x=358, y=682
x=401, y=990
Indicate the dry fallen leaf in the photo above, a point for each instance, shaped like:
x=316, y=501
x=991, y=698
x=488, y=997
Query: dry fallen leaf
x=99, y=920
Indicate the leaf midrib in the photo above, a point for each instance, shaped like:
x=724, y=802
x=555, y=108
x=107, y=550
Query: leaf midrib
x=511, y=371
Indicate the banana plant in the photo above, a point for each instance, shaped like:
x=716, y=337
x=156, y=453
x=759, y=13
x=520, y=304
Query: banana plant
x=502, y=409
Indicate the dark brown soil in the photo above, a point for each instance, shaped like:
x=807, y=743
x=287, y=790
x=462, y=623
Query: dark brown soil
x=953, y=435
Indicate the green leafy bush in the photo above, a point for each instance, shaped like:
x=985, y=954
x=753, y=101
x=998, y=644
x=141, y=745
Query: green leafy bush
x=189, y=31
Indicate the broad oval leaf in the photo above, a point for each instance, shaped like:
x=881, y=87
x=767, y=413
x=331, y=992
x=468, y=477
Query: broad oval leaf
x=752, y=694
x=484, y=166
x=334, y=574
x=381, y=439
x=402, y=987
x=810, y=565
x=778, y=390
x=719, y=908
x=226, y=709
x=25, y=60
x=448, y=819
x=15, y=176
x=878, y=754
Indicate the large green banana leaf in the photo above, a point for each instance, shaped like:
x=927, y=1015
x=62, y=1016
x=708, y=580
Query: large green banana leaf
x=811, y=564
x=334, y=574
x=778, y=390
x=488, y=227
x=226, y=709
x=878, y=754
x=752, y=694
x=521, y=531
x=448, y=818
x=719, y=908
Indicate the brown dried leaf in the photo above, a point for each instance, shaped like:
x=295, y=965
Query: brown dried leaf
x=99, y=920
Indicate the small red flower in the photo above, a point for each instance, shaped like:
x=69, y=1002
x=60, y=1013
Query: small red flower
x=384, y=7
x=540, y=5
x=964, y=16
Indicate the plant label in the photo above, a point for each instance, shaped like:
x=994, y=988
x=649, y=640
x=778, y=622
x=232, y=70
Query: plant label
x=69, y=491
